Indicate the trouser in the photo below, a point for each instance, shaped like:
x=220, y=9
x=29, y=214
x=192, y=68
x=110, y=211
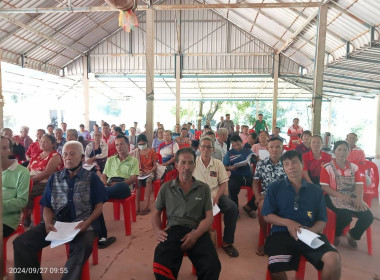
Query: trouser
x=168, y=256
x=235, y=183
x=228, y=142
x=7, y=230
x=230, y=212
x=344, y=218
x=27, y=245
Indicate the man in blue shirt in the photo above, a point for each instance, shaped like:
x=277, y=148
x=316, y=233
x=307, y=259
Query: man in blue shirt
x=292, y=204
x=73, y=194
x=240, y=176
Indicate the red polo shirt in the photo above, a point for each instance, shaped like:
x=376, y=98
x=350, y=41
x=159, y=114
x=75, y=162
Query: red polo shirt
x=312, y=165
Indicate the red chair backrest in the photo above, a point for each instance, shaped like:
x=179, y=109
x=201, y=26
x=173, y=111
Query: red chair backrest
x=183, y=145
x=159, y=158
x=289, y=147
x=373, y=174
x=198, y=134
x=171, y=175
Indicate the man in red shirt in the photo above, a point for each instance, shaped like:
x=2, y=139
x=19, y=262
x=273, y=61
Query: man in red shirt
x=356, y=154
x=295, y=132
x=109, y=139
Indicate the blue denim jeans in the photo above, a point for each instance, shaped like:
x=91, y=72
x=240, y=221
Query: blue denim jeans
x=118, y=191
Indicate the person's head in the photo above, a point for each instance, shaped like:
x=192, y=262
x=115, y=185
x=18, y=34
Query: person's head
x=207, y=147
x=292, y=164
x=316, y=143
x=210, y=134
x=206, y=128
x=97, y=136
x=47, y=143
x=185, y=163
x=351, y=139
x=40, y=132
x=184, y=125
x=24, y=130
x=106, y=130
x=167, y=136
x=263, y=137
x=158, y=124
x=7, y=132
x=113, y=125
x=122, y=144
x=135, y=124
x=81, y=127
x=296, y=121
x=58, y=134
x=142, y=141
x=117, y=131
x=228, y=117
x=95, y=127
x=260, y=117
x=277, y=131
x=195, y=144
x=252, y=138
x=177, y=128
x=160, y=133
x=306, y=137
x=64, y=126
x=6, y=148
x=73, y=155
x=50, y=129
x=237, y=128
x=341, y=150
x=71, y=135
x=221, y=118
x=189, y=124
x=184, y=132
x=236, y=142
x=132, y=131
x=122, y=126
x=223, y=134
x=275, y=148
x=244, y=129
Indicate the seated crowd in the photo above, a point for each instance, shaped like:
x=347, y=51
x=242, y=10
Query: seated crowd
x=76, y=172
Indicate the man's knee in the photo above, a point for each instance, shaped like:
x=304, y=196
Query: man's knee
x=331, y=262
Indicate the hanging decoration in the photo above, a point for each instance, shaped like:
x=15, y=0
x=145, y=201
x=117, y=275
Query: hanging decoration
x=127, y=17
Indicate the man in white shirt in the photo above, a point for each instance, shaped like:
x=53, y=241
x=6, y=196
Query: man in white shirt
x=221, y=139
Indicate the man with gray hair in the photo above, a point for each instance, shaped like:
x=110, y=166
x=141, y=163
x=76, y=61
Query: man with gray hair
x=220, y=142
x=217, y=153
x=71, y=195
x=25, y=140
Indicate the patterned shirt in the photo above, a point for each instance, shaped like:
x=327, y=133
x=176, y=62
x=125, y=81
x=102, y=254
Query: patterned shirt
x=267, y=172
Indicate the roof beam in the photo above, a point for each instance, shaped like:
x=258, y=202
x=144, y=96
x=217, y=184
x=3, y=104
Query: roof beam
x=351, y=15
x=162, y=7
x=38, y=33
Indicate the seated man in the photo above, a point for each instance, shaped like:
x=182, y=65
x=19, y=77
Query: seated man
x=240, y=176
x=120, y=172
x=267, y=171
x=212, y=172
x=292, y=204
x=73, y=194
x=217, y=152
x=356, y=154
x=304, y=147
x=252, y=137
x=189, y=210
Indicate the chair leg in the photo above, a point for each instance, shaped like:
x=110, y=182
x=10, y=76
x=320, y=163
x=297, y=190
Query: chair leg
x=85, y=271
x=116, y=211
x=217, y=225
x=127, y=216
x=5, y=255
x=95, y=257
x=300, y=273
x=133, y=207
x=142, y=193
x=369, y=240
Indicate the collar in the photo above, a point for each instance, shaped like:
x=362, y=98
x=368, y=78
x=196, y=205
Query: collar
x=175, y=183
x=127, y=158
x=13, y=166
x=303, y=183
x=65, y=174
x=269, y=160
x=211, y=163
x=346, y=166
x=103, y=137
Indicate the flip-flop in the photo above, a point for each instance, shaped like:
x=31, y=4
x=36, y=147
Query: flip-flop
x=231, y=251
x=250, y=213
x=144, y=212
x=260, y=251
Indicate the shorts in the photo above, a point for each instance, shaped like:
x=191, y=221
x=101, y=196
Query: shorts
x=142, y=183
x=284, y=252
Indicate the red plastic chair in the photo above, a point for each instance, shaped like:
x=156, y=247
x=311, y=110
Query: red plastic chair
x=95, y=252
x=289, y=147
x=129, y=209
x=19, y=230
x=184, y=145
x=217, y=225
x=371, y=191
x=157, y=183
x=37, y=210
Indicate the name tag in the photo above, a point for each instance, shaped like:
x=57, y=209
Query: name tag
x=198, y=198
x=213, y=174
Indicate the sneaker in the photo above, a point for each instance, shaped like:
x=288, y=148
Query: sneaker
x=250, y=212
x=105, y=242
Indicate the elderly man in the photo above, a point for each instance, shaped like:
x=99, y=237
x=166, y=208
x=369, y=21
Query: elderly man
x=108, y=138
x=189, y=210
x=132, y=137
x=217, y=153
x=25, y=140
x=220, y=142
x=212, y=172
x=291, y=205
x=356, y=154
x=60, y=140
x=73, y=194
x=267, y=171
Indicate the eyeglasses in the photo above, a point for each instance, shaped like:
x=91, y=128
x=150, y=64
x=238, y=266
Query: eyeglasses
x=296, y=204
x=206, y=147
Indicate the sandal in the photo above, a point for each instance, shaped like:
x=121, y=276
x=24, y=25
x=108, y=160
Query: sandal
x=144, y=212
x=352, y=242
x=231, y=251
x=250, y=212
x=260, y=251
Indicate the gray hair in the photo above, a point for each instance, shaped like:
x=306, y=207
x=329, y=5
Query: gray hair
x=77, y=144
x=222, y=131
x=72, y=131
x=58, y=129
x=208, y=139
x=24, y=128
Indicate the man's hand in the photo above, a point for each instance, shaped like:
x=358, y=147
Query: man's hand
x=161, y=235
x=215, y=200
x=359, y=204
x=188, y=241
x=90, y=161
x=82, y=226
x=232, y=167
x=49, y=227
x=293, y=228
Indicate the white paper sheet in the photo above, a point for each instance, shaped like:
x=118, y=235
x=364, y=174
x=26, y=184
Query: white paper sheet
x=89, y=166
x=215, y=210
x=244, y=162
x=310, y=238
x=143, y=177
x=263, y=154
x=65, y=233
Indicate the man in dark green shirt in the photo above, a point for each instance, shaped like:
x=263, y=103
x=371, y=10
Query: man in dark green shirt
x=189, y=210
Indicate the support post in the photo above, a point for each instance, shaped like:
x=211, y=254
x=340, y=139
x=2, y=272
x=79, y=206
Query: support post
x=378, y=129
x=319, y=69
x=86, y=95
x=276, y=64
x=330, y=114
x=178, y=70
x=1, y=179
x=149, y=73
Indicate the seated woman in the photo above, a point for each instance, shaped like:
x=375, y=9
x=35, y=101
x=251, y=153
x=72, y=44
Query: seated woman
x=41, y=167
x=116, y=130
x=158, y=140
x=262, y=145
x=97, y=153
x=147, y=158
x=182, y=140
x=341, y=181
x=314, y=160
x=167, y=150
x=15, y=188
x=304, y=147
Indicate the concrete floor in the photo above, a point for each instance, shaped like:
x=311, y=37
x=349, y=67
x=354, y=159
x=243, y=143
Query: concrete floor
x=131, y=257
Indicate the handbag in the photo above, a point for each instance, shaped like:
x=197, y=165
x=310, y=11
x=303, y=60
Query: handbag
x=160, y=171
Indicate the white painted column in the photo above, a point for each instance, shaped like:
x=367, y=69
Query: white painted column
x=178, y=89
x=1, y=180
x=276, y=65
x=149, y=73
x=330, y=115
x=86, y=94
x=378, y=129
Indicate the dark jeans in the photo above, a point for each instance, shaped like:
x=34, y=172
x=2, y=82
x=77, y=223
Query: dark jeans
x=231, y=212
x=27, y=245
x=168, y=256
x=7, y=230
x=344, y=218
x=234, y=185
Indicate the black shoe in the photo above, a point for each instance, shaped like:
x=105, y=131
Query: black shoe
x=105, y=242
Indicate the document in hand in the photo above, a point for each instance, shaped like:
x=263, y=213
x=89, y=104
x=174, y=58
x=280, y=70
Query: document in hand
x=143, y=177
x=244, y=162
x=65, y=233
x=310, y=238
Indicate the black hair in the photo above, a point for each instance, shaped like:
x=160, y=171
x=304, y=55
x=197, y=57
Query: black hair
x=118, y=129
x=51, y=137
x=210, y=133
x=122, y=136
x=254, y=135
x=306, y=132
x=235, y=138
x=340, y=142
x=276, y=139
x=260, y=114
x=10, y=143
x=206, y=126
x=184, y=151
x=81, y=125
x=142, y=137
x=184, y=128
x=195, y=143
x=290, y=155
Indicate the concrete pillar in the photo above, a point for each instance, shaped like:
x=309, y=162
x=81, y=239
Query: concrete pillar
x=319, y=69
x=330, y=115
x=178, y=89
x=1, y=180
x=149, y=73
x=86, y=95
x=378, y=129
x=276, y=65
